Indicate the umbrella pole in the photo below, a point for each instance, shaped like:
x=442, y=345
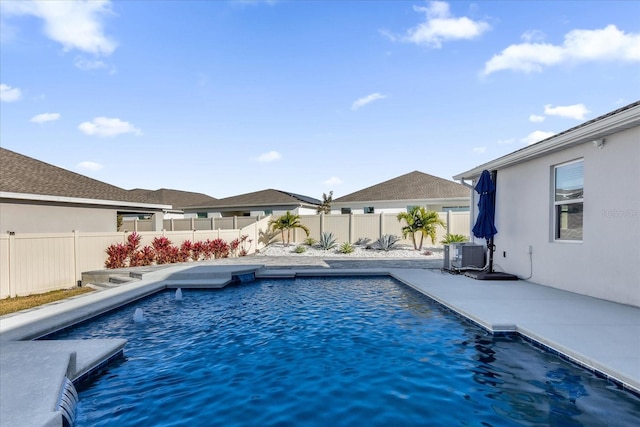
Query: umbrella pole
x=491, y=248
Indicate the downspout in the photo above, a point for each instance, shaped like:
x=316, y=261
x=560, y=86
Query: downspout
x=472, y=206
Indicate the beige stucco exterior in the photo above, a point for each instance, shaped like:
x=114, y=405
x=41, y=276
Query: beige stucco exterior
x=29, y=218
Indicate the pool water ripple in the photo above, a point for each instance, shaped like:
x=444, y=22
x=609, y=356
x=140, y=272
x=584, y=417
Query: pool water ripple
x=329, y=352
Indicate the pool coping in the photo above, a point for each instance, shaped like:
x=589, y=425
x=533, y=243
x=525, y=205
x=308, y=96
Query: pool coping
x=466, y=297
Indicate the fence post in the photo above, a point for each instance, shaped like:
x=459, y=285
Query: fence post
x=449, y=221
x=12, y=264
x=351, y=228
x=76, y=257
x=321, y=223
x=381, y=224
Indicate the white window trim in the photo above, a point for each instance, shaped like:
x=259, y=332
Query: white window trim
x=555, y=203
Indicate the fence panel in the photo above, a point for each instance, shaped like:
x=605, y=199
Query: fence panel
x=204, y=224
x=458, y=223
x=312, y=222
x=365, y=226
x=391, y=225
x=5, y=291
x=92, y=249
x=43, y=264
x=338, y=225
x=225, y=223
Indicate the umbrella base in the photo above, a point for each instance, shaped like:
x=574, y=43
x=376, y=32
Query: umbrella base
x=490, y=275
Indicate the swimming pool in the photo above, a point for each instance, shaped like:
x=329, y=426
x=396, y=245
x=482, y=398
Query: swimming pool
x=330, y=351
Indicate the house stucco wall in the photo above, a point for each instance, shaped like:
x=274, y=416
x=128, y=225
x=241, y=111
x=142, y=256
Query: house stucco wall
x=606, y=263
x=29, y=218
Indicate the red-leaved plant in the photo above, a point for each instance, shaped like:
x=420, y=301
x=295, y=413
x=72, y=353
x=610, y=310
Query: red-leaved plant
x=237, y=246
x=219, y=248
x=142, y=257
x=117, y=256
x=166, y=253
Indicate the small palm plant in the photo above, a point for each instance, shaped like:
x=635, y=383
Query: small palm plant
x=453, y=238
x=287, y=222
x=420, y=221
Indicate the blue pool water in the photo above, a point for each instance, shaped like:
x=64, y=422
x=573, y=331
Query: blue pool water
x=330, y=352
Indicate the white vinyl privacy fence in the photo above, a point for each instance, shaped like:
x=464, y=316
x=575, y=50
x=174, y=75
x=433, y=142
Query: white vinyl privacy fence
x=36, y=263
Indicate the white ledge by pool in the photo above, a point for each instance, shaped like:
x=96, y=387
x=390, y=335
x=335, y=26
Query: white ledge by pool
x=601, y=336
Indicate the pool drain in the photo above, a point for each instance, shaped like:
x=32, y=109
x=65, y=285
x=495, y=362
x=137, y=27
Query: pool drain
x=67, y=403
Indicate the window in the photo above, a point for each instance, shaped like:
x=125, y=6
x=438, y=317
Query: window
x=268, y=212
x=369, y=210
x=345, y=210
x=568, y=200
x=202, y=214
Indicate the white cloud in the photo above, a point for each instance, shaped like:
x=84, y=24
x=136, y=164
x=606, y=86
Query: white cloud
x=45, y=117
x=576, y=111
x=90, y=166
x=334, y=180
x=607, y=44
x=479, y=150
x=74, y=24
x=533, y=36
x=105, y=126
x=9, y=94
x=440, y=26
x=537, y=136
x=85, y=64
x=271, y=156
x=506, y=141
x=536, y=119
x=366, y=100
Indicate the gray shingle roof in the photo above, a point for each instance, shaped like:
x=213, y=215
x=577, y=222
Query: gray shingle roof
x=178, y=199
x=268, y=197
x=26, y=175
x=412, y=186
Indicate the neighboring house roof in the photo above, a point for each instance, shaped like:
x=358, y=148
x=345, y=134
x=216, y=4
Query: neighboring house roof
x=615, y=121
x=412, y=186
x=263, y=198
x=176, y=198
x=23, y=177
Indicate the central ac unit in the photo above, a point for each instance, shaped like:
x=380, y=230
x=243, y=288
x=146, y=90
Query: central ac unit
x=463, y=255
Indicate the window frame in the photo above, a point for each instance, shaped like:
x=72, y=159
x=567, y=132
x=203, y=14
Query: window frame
x=369, y=209
x=558, y=204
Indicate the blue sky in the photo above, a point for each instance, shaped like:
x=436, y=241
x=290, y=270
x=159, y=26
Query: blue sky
x=230, y=97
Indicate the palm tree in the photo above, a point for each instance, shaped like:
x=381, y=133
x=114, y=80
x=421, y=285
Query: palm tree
x=420, y=220
x=287, y=222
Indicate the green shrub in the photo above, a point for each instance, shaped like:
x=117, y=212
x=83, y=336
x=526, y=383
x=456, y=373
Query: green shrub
x=310, y=241
x=453, y=238
x=327, y=241
x=299, y=249
x=346, y=248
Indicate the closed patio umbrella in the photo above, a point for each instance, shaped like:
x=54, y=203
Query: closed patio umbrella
x=485, y=223
x=485, y=227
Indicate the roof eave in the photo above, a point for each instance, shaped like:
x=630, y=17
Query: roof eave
x=82, y=201
x=601, y=128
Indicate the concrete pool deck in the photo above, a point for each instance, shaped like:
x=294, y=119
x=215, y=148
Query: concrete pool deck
x=602, y=336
